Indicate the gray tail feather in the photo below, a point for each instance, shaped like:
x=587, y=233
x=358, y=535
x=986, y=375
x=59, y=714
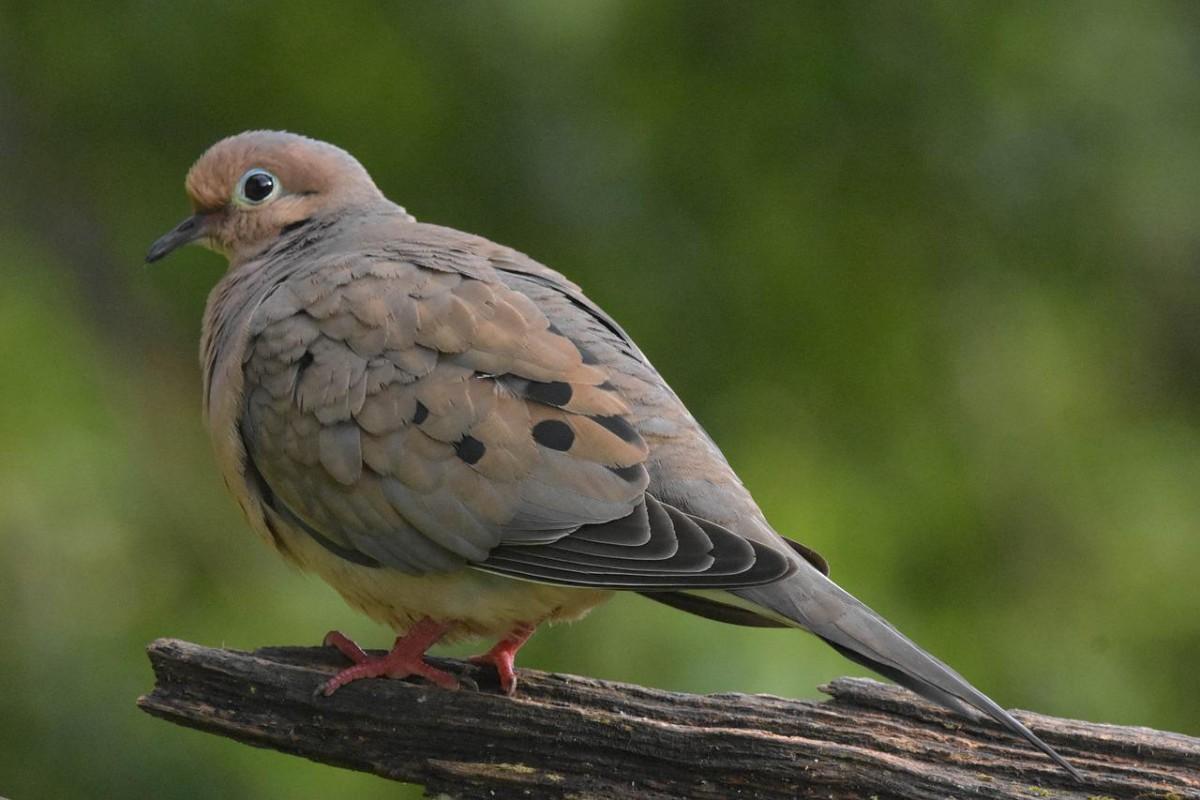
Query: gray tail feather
x=854, y=630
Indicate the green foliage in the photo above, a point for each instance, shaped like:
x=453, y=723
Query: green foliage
x=926, y=272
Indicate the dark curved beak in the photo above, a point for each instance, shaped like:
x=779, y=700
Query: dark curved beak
x=186, y=232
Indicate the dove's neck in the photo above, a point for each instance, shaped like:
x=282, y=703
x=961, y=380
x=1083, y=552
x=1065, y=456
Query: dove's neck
x=322, y=227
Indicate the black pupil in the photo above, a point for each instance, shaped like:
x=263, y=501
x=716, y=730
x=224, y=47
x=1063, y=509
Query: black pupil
x=259, y=186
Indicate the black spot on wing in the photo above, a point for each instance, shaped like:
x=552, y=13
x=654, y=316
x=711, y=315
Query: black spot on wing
x=554, y=434
x=618, y=426
x=422, y=413
x=553, y=393
x=469, y=449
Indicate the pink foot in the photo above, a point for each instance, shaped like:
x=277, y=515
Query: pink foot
x=504, y=654
x=405, y=659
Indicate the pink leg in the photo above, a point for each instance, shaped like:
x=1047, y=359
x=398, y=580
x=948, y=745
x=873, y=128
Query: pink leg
x=405, y=659
x=504, y=653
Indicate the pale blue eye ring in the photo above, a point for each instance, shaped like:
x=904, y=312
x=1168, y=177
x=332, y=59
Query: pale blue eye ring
x=257, y=186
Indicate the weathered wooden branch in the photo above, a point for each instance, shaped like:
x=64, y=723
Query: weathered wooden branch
x=567, y=736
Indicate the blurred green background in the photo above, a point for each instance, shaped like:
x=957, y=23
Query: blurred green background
x=927, y=272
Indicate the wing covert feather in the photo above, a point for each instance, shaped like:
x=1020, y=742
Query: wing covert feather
x=386, y=401
x=426, y=418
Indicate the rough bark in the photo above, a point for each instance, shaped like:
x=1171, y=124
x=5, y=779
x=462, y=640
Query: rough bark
x=568, y=736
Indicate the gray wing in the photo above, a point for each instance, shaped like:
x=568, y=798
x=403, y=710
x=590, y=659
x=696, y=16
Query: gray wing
x=421, y=417
x=656, y=547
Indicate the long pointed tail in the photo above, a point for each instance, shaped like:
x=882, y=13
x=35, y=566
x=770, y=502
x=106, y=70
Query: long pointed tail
x=821, y=606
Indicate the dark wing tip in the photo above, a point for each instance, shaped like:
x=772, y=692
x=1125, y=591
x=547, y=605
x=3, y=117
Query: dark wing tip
x=655, y=547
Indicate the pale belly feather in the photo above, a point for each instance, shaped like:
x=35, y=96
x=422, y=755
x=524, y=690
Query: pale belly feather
x=474, y=603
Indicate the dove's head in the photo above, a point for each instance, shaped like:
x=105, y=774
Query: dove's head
x=249, y=189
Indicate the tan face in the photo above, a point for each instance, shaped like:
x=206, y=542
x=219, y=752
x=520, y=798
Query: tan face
x=249, y=189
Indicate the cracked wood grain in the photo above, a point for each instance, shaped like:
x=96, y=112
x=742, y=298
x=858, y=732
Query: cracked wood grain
x=565, y=736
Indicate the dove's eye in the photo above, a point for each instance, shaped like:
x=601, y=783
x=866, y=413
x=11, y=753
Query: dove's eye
x=257, y=186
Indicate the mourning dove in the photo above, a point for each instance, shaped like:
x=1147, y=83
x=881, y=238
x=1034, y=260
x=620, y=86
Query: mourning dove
x=461, y=443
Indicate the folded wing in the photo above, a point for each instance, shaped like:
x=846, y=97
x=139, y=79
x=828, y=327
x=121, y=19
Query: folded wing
x=424, y=418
